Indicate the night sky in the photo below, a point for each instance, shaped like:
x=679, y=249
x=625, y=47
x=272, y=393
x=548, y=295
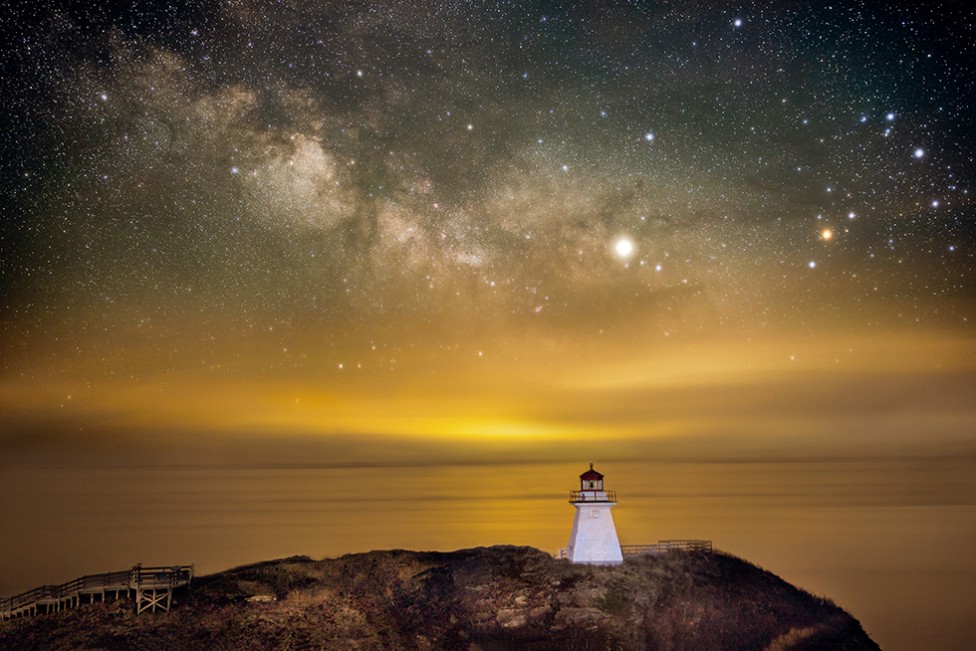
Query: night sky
x=375, y=234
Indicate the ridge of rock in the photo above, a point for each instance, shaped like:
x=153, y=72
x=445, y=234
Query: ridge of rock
x=485, y=598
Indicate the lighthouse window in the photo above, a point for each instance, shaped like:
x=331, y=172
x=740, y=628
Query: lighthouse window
x=592, y=484
x=595, y=514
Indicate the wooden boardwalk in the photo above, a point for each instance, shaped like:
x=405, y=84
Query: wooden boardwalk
x=150, y=588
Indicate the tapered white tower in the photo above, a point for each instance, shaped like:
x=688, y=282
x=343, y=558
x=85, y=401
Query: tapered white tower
x=594, y=538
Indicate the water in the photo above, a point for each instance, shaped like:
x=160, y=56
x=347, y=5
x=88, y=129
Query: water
x=890, y=540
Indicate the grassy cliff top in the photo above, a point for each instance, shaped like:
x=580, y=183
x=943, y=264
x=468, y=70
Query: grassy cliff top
x=487, y=598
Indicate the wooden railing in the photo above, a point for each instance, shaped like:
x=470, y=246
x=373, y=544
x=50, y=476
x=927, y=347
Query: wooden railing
x=68, y=595
x=664, y=546
x=660, y=547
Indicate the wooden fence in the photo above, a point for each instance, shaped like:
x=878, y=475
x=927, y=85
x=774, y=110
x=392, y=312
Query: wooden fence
x=664, y=546
x=660, y=547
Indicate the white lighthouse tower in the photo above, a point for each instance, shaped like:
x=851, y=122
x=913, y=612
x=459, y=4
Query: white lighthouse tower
x=594, y=538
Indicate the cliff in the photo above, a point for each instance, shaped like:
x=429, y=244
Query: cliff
x=487, y=599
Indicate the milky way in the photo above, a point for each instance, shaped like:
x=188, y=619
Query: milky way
x=247, y=166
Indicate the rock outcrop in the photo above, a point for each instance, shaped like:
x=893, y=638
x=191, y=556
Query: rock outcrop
x=486, y=599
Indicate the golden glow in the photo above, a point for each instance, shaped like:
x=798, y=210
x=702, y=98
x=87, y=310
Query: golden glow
x=712, y=437
x=617, y=391
x=826, y=234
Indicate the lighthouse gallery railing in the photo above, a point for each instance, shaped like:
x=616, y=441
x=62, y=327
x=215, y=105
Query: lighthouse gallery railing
x=592, y=496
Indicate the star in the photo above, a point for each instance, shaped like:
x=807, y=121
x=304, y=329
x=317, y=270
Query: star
x=624, y=247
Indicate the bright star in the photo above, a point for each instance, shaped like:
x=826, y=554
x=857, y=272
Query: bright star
x=649, y=137
x=624, y=247
x=919, y=152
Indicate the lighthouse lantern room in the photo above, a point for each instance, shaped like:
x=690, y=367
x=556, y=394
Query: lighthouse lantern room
x=594, y=537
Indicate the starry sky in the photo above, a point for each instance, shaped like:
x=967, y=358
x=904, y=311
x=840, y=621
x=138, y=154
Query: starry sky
x=370, y=232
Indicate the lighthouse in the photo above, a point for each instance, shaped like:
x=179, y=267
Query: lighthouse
x=594, y=538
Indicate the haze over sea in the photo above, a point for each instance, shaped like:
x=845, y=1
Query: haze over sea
x=899, y=560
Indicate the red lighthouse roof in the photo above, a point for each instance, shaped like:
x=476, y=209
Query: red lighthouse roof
x=591, y=475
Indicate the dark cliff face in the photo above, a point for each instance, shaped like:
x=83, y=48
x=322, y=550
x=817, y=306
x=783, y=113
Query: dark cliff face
x=486, y=598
